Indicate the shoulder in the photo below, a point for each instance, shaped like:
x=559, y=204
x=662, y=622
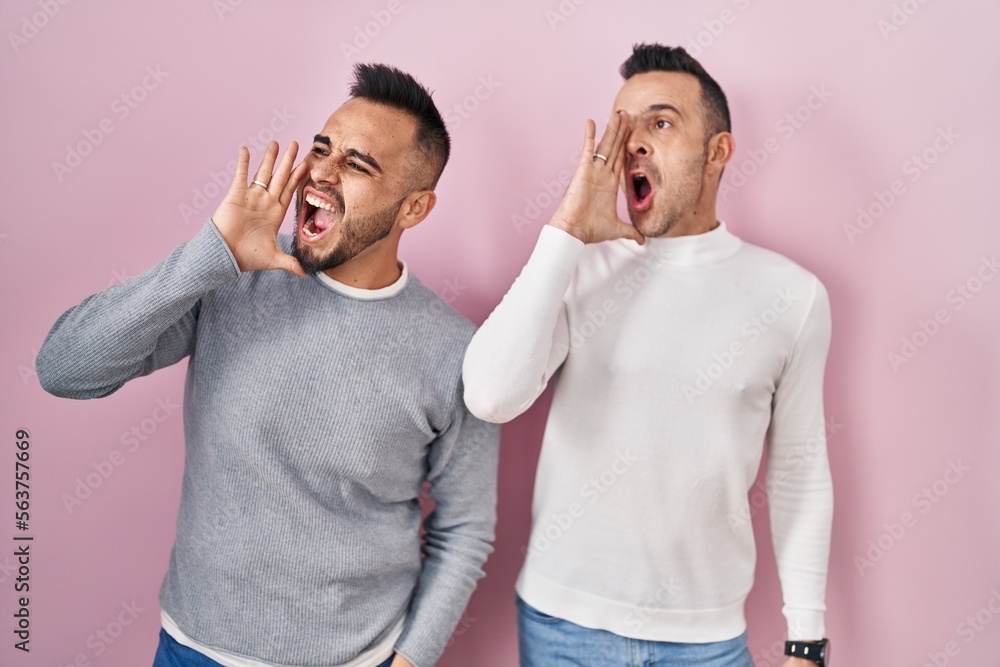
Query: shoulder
x=788, y=282
x=436, y=317
x=435, y=337
x=766, y=263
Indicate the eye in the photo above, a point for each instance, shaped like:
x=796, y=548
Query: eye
x=357, y=167
x=319, y=151
x=662, y=124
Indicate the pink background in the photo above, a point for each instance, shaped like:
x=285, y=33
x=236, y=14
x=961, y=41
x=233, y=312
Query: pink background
x=887, y=95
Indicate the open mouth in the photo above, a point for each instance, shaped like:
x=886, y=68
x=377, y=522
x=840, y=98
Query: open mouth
x=320, y=215
x=640, y=190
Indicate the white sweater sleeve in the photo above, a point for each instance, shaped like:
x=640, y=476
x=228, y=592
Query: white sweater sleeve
x=800, y=492
x=524, y=341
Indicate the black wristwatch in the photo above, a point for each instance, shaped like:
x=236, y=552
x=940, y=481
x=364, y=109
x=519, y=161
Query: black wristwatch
x=818, y=652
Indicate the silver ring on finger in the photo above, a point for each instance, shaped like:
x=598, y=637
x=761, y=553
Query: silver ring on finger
x=263, y=185
x=601, y=157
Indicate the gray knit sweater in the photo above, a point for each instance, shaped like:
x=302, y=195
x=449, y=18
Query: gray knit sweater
x=311, y=421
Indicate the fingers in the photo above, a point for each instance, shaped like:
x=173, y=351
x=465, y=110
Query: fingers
x=288, y=263
x=627, y=231
x=587, y=154
x=242, y=164
x=610, y=138
x=616, y=159
x=280, y=177
x=264, y=170
x=293, y=183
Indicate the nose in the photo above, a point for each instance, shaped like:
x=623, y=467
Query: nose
x=324, y=170
x=637, y=142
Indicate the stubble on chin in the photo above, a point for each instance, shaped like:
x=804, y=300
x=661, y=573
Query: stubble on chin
x=312, y=262
x=650, y=225
x=685, y=198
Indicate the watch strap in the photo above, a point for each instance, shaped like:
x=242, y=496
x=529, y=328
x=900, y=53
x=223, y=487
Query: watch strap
x=812, y=651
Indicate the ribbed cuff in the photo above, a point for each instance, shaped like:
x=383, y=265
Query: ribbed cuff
x=805, y=624
x=557, y=248
x=220, y=242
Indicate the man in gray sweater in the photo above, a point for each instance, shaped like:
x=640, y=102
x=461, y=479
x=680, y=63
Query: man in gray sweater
x=316, y=405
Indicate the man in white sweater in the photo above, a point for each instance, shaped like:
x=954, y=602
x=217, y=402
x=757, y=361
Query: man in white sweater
x=675, y=348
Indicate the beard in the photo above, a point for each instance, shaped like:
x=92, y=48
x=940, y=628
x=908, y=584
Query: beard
x=672, y=204
x=357, y=234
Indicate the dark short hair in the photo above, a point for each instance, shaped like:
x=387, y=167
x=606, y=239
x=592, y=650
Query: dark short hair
x=394, y=88
x=659, y=58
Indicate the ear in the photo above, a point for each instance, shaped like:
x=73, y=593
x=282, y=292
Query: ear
x=415, y=208
x=720, y=149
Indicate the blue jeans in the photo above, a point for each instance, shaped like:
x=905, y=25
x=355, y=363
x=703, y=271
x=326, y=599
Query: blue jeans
x=547, y=641
x=171, y=654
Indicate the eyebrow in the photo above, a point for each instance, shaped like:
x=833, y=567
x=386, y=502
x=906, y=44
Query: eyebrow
x=663, y=107
x=351, y=152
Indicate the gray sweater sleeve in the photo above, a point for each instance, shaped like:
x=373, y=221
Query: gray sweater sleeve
x=459, y=532
x=137, y=326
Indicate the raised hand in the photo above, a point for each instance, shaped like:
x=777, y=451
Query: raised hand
x=589, y=209
x=250, y=215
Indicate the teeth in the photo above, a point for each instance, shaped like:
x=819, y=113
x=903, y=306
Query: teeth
x=319, y=203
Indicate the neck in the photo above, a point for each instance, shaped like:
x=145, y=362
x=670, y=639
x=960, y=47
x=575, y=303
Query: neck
x=375, y=267
x=700, y=219
x=688, y=227
x=696, y=249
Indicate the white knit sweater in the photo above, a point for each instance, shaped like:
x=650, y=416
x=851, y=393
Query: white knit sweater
x=672, y=361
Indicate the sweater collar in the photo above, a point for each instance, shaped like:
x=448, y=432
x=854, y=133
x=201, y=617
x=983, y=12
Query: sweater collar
x=694, y=249
x=366, y=294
